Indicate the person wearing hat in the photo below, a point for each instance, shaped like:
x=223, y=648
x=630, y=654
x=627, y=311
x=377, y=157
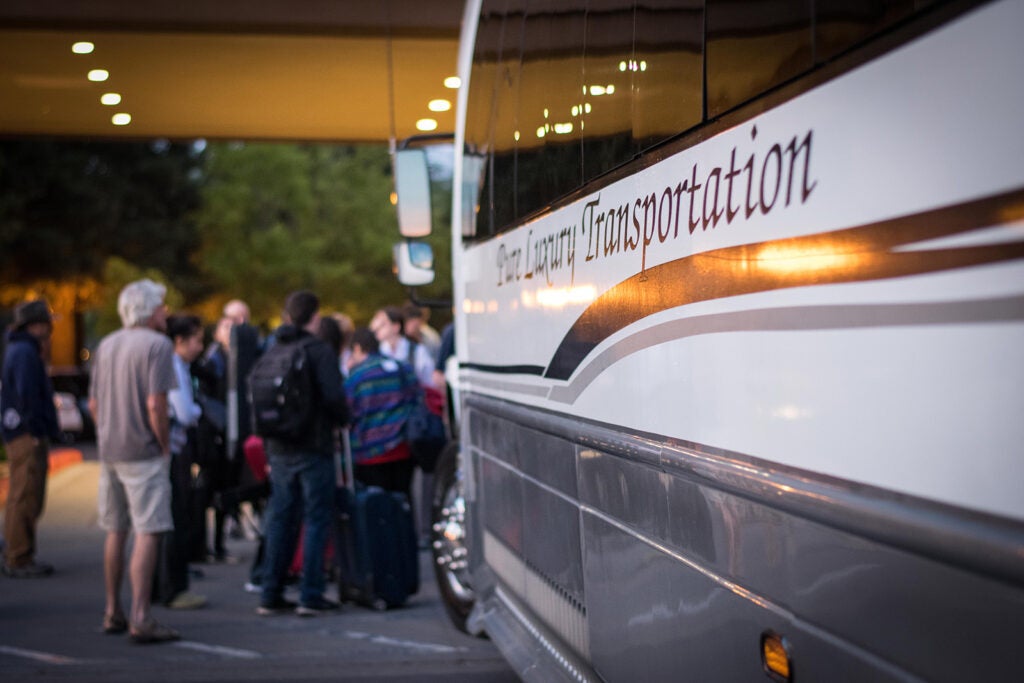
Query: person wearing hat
x=29, y=421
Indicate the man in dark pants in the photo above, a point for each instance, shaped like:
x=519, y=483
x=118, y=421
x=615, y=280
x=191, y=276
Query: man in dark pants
x=171, y=577
x=302, y=473
x=29, y=420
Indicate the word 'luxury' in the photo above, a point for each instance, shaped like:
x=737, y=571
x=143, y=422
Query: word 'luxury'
x=700, y=199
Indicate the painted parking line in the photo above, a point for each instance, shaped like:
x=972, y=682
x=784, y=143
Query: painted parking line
x=36, y=655
x=407, y=644
x=218, y=650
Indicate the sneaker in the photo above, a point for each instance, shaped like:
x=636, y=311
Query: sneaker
x=186, y=600
x=32, y=570
x=277, y=606
x=312, y=608
x=251, y=587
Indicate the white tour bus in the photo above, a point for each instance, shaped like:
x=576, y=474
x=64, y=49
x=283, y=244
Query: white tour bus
x=739, y=319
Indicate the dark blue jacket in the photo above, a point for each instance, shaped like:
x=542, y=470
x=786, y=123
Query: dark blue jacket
x=331, y=405
x=26, y=394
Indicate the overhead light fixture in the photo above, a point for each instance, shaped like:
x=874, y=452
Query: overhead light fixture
x=439, y=105
x=426, y=124
x=121, y=119
x=563, y=128
x=83, y=47
x=98, y=75
x=453, y=82
x=110, y=98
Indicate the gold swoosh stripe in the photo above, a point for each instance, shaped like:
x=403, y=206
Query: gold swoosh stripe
x=859, y=254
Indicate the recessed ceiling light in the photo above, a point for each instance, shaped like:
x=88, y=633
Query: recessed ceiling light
x=121, y=119
x=110, y=98
x=83, y=47
x=98, y=75
x=426, y=124
x=452, y=82
x=439, y=105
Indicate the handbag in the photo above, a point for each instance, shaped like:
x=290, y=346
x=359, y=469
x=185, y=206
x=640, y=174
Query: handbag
x=423, y=425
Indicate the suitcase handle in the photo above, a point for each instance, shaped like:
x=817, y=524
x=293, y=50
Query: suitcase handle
x=343, y=461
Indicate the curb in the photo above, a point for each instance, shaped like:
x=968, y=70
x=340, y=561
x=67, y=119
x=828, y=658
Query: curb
x=60, y=458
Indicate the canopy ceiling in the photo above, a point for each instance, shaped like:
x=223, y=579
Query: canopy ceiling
x=324, y=70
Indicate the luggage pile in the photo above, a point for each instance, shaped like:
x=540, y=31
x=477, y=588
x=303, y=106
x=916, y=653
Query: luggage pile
x=375, y=543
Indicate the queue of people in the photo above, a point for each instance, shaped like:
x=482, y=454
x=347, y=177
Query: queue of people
x=158, y=401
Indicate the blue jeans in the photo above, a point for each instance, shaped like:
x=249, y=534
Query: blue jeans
x=301, y=486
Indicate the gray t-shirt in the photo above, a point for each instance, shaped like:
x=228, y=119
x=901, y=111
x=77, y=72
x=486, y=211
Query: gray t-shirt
x=129, y=365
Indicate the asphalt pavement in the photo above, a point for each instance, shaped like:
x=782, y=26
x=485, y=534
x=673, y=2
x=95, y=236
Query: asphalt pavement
x=50, y=629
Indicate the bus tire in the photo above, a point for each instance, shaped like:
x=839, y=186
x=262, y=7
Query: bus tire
x=448, y=539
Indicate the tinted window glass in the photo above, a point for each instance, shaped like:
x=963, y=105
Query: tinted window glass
x=550, y=155
x=668, y=78
x=841, y=24
x=605, y=108
x=506, y=118
x=753, y=45
x=479, y=106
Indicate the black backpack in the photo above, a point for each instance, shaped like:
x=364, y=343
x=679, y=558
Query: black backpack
x=282, y=386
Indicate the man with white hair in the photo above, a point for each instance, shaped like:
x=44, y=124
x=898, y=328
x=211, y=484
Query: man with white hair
x=133, y=369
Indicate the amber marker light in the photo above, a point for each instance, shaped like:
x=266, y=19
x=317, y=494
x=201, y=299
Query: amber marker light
x=775, y=657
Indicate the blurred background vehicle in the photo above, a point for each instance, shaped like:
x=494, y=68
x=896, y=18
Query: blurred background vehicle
x=69, y=416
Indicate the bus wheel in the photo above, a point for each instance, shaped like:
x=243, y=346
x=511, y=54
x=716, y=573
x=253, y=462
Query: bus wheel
x=448, y=538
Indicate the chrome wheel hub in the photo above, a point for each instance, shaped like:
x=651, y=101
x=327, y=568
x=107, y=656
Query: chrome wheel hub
x=450, y=551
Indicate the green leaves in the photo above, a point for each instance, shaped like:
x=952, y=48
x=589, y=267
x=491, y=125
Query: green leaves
x=276, y=218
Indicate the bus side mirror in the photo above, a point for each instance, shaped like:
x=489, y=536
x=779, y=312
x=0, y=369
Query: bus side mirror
x=412, y=185
x=414, y=263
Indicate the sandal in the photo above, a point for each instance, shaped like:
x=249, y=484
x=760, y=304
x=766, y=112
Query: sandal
x=114, y=624
x=152, y=632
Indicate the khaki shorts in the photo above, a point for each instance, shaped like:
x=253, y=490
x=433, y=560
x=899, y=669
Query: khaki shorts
x=136, y=495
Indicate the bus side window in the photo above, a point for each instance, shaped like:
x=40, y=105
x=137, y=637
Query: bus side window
x=550, y=152
x=479, y=127
x=506, y=119
x=842, y=24
x=668, y=70
x=605, y=108
x=754, y=46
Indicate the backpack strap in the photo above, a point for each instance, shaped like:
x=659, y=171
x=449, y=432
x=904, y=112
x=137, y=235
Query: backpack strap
x=410, y=355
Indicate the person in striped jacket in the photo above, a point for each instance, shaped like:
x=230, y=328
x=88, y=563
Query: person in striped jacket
x=382, y=393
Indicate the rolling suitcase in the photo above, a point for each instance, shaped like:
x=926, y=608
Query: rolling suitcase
x=378, y=561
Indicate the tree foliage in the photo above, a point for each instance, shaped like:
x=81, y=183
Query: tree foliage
x=248, y=220
x=276, y=218
x=66, y=207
